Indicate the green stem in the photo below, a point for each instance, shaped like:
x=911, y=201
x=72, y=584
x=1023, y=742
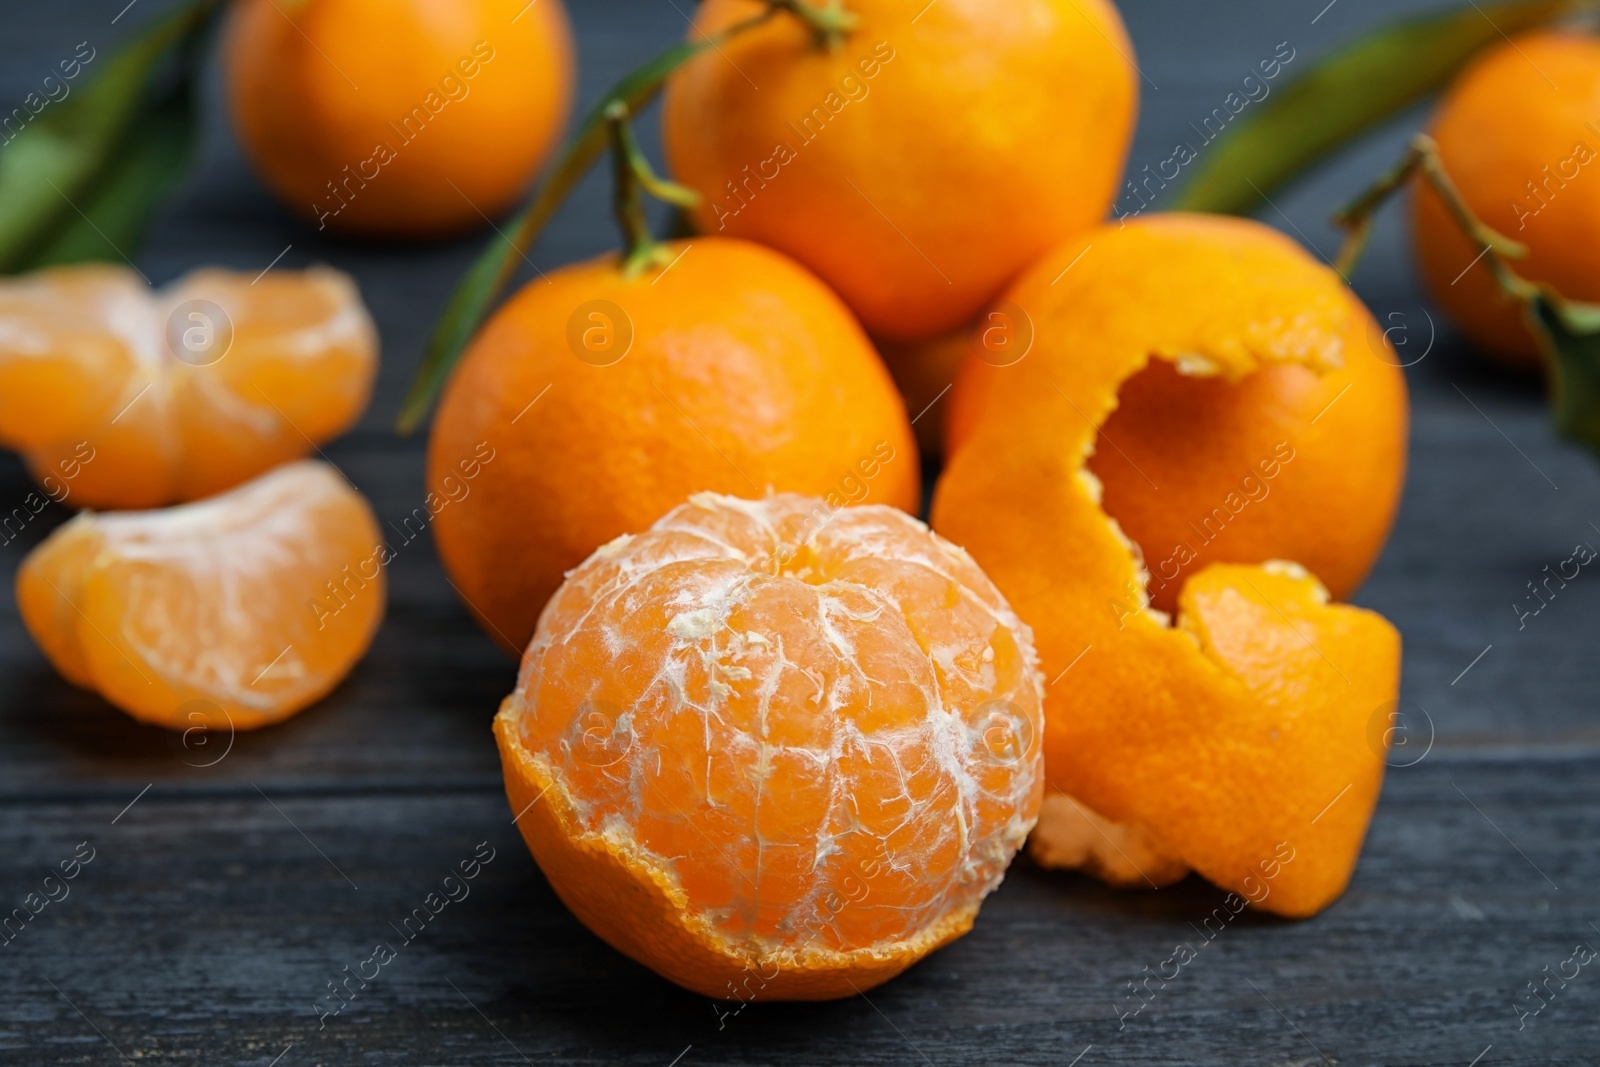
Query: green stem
x=487, y=278
x=1567, y=331
x=634, y=177
x=1422, y=157
x=831, y=23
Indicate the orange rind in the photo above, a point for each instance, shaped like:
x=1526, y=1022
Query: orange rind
x=775, y=749
x=1237, y=734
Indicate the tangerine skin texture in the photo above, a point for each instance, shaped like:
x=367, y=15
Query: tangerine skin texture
x=1200, y=470
x=110, y=409
x=743, y=374
x=203, y=615
x=316, y=86
x=1288, y=462
x=773, y=749
x=1336, y=440
x=945, y=154
x=1499, y=126
x=1241, y=734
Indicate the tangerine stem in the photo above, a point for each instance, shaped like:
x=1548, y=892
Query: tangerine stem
x=1566, y=331
x=633, y=178
x=1422, y=157
x=830, y=23
x=478, y=291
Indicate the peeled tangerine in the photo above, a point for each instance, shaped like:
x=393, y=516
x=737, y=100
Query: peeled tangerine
x=1243, y=739
x=775, y=749
x=182, y=392
x=234, y=612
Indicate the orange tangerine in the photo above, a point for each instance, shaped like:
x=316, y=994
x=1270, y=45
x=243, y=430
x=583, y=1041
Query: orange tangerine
x=607, y=400
x=919, y=164
x=398, y=117
x=1517, y=133
x=1236, y=737
x=775, y=749
x=1287, y=461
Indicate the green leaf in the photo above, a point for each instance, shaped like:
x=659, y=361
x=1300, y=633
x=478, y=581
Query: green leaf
x=1569, y=333
x=144, y=170
x=1346, y=93
x=470, y=303
x=110, y=151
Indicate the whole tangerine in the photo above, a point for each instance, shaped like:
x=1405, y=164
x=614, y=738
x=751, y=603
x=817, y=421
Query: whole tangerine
x=1233, y=736
x=399, y=118
x=1517, y=133
x=920, y=163
x=775, y=749
x=606, y=400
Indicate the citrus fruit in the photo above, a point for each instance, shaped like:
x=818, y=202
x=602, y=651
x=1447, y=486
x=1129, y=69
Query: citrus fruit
x=1288, y=461
x=607, y=400
x=1237, y=733
x=233, y=612
x=922, y=162
x=1517, y=134
x=775, y=749
x=409, y=118
x=156, y=397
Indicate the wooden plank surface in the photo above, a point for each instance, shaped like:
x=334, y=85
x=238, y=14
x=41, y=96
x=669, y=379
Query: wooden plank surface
x=219, y=905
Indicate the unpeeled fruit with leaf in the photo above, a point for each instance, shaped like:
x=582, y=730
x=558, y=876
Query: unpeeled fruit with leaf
x=922, y=159
x=231, y=613
x=609, y=398
x=1516, y=132
x=775, y=749
x=1237, y=733
x=182, y=392
x=398, y=118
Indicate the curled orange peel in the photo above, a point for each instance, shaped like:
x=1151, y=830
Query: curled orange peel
x=1233, y=740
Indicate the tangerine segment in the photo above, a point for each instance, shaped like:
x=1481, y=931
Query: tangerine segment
x=1241, y=732
x=154, y=397
x=234, y=612
x=783, y=749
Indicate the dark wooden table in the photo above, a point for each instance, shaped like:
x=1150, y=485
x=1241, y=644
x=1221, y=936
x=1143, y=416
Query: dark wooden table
x=221, y=900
